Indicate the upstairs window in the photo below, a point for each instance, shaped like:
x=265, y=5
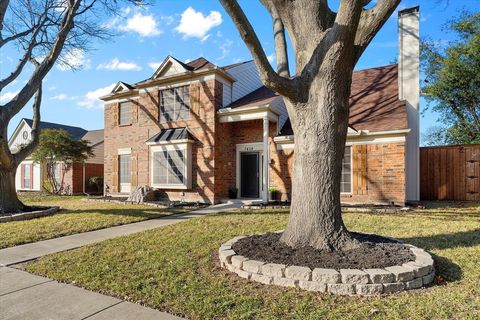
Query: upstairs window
x=346, y=182
x=175, y=104
x=125, y=113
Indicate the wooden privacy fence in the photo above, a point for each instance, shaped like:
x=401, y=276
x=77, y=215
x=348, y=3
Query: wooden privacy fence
x=450, y=173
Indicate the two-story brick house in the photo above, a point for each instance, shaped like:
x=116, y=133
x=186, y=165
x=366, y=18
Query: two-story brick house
x=195, y=129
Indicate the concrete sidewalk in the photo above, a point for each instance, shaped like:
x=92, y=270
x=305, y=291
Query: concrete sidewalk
x=26, y=296
x=30, y=251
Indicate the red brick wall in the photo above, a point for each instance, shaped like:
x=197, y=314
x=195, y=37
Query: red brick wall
x=385, y=174
x=201, y=125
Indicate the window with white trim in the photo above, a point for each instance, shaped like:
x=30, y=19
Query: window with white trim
x=27, y=182
x=125, y=113
x=124, y=162
x=175, y=104
x=56, y=172
x=346, y=181
x=171, y=166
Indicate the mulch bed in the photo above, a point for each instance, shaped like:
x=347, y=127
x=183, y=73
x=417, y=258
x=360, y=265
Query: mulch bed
x=375, y=252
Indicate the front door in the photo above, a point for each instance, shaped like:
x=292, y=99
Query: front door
x=249, y=174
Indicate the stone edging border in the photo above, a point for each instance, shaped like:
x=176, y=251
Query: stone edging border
x=366, y=282
x=30, y=215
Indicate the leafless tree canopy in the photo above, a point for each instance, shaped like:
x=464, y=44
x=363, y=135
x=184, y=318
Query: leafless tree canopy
x=44, y=32
x=326, y=46
x=313, y=28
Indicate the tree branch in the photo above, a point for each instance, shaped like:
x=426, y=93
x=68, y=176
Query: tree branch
x=269, y=77
x=3, y=11
x=19, y=101
x=371, y=21
x=28, y=149
x=283, y=68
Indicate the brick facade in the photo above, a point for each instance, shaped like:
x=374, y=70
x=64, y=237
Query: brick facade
x=73, y=180
x=214, y=151
x=205, y=99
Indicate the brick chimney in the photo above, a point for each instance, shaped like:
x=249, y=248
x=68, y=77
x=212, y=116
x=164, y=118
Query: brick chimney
x=409, y=91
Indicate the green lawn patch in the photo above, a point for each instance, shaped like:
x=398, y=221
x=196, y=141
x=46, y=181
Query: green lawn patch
x=175, y=269
x=76, y=216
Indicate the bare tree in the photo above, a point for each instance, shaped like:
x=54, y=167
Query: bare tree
x=327, y=45
x=44, y=31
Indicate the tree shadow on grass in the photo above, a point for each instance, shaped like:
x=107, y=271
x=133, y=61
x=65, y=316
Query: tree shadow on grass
x=446, y=241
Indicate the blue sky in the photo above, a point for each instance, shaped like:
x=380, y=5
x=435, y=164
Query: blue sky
x=187, y=30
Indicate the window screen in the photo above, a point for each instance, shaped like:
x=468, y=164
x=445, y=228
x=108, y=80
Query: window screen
x=27, y=183
x=169, y=167
x=125, y=113
x=124, y=162
x=346, y=182
x=175, y=104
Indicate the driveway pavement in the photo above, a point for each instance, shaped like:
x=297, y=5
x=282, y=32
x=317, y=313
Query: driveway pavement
x=26, y=296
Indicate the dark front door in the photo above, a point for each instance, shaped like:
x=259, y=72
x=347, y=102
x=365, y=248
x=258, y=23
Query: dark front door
x=249, y=175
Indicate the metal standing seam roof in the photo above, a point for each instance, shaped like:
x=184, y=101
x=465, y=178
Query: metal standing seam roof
x=167, y=135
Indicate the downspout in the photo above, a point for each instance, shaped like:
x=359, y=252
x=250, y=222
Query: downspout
x=83, y=182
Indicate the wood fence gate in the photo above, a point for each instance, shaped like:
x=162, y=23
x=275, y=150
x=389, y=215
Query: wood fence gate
x=450, y=173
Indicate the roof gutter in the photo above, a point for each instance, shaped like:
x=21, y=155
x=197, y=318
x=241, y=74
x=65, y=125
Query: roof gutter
x=359, y=133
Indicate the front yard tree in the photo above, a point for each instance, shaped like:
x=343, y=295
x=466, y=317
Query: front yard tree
x=327, y=46
x=45, y=32
x=57, y=147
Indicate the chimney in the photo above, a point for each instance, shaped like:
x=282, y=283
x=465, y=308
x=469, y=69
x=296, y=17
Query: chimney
x=409, y=91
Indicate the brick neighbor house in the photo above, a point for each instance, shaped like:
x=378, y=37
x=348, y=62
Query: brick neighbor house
x=31, y=176
x=193, y=130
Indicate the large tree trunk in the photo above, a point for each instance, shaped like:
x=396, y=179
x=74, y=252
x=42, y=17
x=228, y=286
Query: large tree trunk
x=320, y=128
x=9, y=202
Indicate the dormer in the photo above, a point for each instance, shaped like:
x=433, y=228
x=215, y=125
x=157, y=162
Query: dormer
x=170, y=67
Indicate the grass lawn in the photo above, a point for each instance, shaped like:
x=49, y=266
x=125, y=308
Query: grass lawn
x=175, y=269
x=76, y=216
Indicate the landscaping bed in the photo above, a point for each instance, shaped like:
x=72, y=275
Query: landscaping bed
x=375, y=252
x=176, y=269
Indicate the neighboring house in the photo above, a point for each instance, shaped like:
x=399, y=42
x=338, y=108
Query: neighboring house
x=193, y=130
x=31, y=176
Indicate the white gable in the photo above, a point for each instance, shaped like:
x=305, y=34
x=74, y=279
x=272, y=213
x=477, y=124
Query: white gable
x=169, y=67
x=21, y=136
x=119, y=87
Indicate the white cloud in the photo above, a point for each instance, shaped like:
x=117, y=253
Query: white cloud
x=91, y=98
x=226, y=47
x=75, y=59
x=144, y=25
x=196, y=24
x=7, y=96
x=271, y=57
x=61, y=96
x=168, y=20
x=116, y=64
x=154, y=65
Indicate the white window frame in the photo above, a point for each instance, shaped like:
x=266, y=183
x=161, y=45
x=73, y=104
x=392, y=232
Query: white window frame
x=186, y=147
x=160, y=101
x=124, y=187
x=351, y=170
x=29, y=175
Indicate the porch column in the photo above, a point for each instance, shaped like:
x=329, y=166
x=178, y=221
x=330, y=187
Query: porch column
x=266, y=159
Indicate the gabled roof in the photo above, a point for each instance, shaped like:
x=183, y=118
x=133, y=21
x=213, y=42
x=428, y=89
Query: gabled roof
x=260, y=97
x=374, y=102
x=94, y=137
x=75, y=132
x=233, y=65
x=121, y=86
x=170, y=135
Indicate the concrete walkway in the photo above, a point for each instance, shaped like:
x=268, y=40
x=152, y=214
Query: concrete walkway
x=26, y=296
